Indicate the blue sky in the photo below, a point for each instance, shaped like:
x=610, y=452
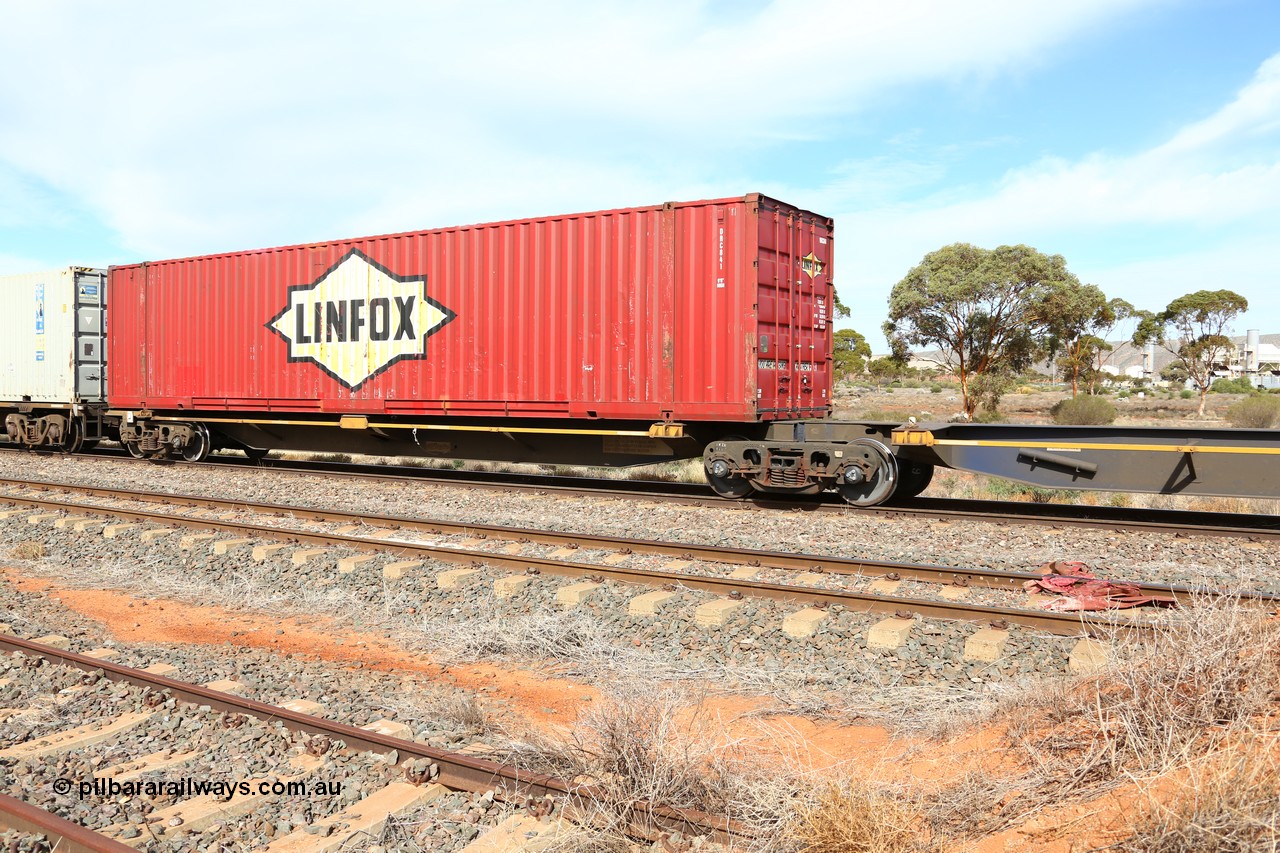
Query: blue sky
x=1139, y=139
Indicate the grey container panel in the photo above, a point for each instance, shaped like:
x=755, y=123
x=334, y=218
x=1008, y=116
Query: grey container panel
x=91, y=323
x=90, y=350
x=91, y=382
x=89, y=320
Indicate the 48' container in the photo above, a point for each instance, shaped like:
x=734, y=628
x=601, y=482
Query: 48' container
x=707, y=311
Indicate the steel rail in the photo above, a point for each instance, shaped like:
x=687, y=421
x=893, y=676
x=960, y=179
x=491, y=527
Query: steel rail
x=1063, y=624
x=458, y=771
x=63, y=835
x=1230, y=525
x=848, y=566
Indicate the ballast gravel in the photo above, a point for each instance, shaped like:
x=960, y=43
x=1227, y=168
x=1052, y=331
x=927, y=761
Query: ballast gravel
x=599, y=640
x=1124, y=555
x=836, y=669
x=51, y=699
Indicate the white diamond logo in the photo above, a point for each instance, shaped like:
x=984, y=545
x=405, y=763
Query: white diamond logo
x=358, y=319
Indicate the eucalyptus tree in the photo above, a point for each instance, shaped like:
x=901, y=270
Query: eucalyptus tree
x=985, y=310
x=1195, y=329
x=849, y=353
x=1081, y=316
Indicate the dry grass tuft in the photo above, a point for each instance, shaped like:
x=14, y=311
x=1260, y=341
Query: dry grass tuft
x=1228, y=803
x=1209, y=671
x=1199, y=686
x=162, y=578
x=653, y=744
x=847, y=818
x=566, y=638
x=28, y=551
x=462, y=711
x=330, y=457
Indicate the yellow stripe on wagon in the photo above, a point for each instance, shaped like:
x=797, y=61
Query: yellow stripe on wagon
x=925, y=438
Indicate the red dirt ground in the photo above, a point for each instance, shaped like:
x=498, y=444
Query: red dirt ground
x=550, y=702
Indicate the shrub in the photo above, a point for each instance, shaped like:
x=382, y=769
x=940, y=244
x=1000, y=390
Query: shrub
x=847, y=819
x=1007, y=490
x=1239, y=385
x=1255, y=413
x=27, y=551
x=1201, y=680
x=1083, y=410
x=1187, y=394
x=935, y=389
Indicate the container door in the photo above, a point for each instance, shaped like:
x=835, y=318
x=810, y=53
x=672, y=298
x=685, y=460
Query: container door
x=794, y=322
x=91, y=327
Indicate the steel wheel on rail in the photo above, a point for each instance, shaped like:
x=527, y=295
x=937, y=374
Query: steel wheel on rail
x=197, y=450
x=134, y=450
x=913, y=478
x=74, y=438
x=721, y=479
x=861, y=489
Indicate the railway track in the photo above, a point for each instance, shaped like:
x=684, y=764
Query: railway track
x=1252, y=526
x=813, y=582
x=424, y=772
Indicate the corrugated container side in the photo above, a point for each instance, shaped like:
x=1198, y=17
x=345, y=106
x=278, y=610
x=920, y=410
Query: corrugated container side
x=640, y=313
x=37, y=337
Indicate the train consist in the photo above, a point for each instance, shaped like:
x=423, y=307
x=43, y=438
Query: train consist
x=609, y=338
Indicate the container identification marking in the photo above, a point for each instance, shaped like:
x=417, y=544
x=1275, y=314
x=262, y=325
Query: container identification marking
x=720, y=278
x=40, y=322
x=359, y=318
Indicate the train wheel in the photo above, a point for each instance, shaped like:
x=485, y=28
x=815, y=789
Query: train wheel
x=913, y=478
x=879, y=487
x=134, y=450
x=74, y=438
x=723, y=483
x=198, y=449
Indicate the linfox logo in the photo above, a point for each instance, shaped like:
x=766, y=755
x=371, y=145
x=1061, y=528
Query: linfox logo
x=811, y=265
x=358, y=319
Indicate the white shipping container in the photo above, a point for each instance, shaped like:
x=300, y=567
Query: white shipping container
x=52, y=336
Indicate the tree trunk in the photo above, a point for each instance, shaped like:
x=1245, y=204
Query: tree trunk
x=969, y=404
x=1204, y=397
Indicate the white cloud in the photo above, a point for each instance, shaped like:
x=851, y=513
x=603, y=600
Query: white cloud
x=1246, y=266
x=192, y=127
x=17, y=263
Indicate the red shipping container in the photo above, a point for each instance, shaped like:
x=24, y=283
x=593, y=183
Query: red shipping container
x=700, y=311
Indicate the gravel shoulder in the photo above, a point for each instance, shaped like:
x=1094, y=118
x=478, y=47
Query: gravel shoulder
x=1125, y=555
